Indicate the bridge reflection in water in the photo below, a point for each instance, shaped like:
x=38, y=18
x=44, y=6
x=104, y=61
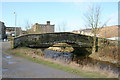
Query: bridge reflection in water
x=59, y=56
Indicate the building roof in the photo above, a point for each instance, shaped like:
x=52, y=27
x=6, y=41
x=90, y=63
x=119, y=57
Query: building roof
x=44, y=24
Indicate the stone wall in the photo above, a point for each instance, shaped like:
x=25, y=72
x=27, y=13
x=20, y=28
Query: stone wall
x=12, y=30
x=2, y=31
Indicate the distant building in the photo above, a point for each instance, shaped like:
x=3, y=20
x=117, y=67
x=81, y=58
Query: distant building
x=43, y=28
x=2, y=31
x=87, y=32
x=84, y=32
x=24, y=32
x=11, y=31
x=109, y=32
x=76, y=31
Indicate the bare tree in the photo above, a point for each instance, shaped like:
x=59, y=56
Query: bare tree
x=27, y=26
x=93, y=20
x=59, y=28
x=62, y=26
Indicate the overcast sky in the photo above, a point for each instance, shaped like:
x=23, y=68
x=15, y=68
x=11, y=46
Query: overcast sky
x=71, y=14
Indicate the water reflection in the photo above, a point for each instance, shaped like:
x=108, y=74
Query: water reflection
x=4, y=69
x=8, y=57
x=11, y=62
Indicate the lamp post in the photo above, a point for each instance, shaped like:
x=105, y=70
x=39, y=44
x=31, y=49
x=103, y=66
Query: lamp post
x=15, y=23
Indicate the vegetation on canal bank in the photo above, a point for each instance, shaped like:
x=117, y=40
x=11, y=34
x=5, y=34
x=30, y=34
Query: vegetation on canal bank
x=32, y=54
x=107, y=53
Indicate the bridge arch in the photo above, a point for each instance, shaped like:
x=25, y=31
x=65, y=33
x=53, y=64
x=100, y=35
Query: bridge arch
x=49, y=39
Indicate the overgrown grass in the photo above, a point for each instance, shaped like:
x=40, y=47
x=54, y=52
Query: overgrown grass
x=108, y=53
x=67, y=68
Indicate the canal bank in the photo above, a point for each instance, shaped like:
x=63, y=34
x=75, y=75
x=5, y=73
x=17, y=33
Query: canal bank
x=21, y=66
x=85, y=71
x=92, y=64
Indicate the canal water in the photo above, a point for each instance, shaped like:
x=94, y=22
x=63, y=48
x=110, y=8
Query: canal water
x=64, y=57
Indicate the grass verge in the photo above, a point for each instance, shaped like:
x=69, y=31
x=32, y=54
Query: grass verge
x=67, y=68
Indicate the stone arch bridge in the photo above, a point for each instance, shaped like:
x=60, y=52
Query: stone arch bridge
x=49, y=39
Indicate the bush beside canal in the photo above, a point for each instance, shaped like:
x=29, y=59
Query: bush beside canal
x=108, y=54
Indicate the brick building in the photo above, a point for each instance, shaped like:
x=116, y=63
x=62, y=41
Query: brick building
x=109, y=32
x=11, y=30
x=2, y=31
x=43, y=28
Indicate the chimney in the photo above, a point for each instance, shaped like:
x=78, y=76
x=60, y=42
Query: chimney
x=48, y=22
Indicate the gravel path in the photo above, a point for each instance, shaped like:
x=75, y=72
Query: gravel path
x=17, y=67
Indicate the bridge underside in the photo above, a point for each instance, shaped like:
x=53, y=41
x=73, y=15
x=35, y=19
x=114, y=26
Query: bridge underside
x=78, y=50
